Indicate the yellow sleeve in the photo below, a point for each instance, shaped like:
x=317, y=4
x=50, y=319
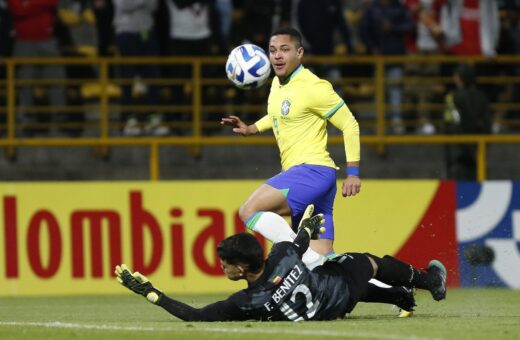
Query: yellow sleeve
x=264, y=124
x=345, y=121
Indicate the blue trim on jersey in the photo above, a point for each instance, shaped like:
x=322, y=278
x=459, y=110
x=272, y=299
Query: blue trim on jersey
x=334, y=110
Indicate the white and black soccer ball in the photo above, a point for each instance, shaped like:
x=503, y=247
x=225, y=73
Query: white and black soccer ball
x=248, y=66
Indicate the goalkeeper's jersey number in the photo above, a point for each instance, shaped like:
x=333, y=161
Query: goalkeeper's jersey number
x=311, y=306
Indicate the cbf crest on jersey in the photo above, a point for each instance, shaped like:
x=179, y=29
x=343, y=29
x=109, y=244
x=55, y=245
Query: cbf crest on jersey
x=286, y=106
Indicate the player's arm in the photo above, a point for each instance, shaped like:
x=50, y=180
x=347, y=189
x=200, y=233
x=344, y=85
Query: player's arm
x=309, y=229
x=219, y=311
x=242, y=128
x=345, y=121
x=224, y=310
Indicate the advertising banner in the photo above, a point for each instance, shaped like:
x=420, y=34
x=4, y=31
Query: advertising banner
x=66, y=238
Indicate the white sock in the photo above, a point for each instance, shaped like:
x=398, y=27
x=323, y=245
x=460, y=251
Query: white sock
x=312, y=259
x=276, y=229
x=271, y=226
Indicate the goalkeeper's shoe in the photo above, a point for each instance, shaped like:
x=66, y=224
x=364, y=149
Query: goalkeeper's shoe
x=404, y=313
x=438, y=273
x=406, y=302
x=137, y=283
x=312, y=225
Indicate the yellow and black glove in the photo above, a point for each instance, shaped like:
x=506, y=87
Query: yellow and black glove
x=313, y=225
x=137, y=283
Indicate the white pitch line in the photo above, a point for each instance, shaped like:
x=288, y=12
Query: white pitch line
x=303, y=332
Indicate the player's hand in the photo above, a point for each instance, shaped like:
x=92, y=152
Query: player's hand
x=137, y=283
x=312, y=225
x=351, y=186
x=238, y=125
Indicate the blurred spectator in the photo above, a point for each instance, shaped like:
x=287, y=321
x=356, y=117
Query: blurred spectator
x=34, y=26
x=260, y=18
x=6, y=31
x=383, y=27
x=509, y=44
x=423, y=40
x=515, y=34
x=467, y=112
x=135, y=36
x=76, y=33
x=79, y=18
x=224, y=10
x=104, y=13
x=257, y=21
x=470, y=27
x=6, y=42
x=319, y=21
x=193, y=28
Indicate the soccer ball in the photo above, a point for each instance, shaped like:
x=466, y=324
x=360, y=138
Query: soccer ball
x=248, y=66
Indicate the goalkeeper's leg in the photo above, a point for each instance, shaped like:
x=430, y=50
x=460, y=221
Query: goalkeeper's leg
x=402, y=297
x=394, y=272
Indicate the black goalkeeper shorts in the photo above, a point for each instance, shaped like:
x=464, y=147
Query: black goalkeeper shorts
x=358, y=271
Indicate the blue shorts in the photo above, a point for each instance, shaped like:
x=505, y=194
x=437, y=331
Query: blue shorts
x=308, y=184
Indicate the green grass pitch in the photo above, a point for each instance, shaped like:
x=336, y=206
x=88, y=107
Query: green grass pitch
x=466, y=314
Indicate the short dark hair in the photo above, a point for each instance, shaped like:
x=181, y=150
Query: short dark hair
x=242, y=249
x=292, y=32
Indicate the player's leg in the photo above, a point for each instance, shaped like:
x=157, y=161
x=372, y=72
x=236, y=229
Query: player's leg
x=316, y=185
x=261, y=213
x=402, y=297
x=397, y=273
x=359, y=269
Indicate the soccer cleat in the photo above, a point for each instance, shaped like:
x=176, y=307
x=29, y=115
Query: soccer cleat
x=405, y=302
x=438, y=279
x=406, y=299
x=404, y=314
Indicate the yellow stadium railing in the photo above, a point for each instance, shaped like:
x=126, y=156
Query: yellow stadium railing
x=196, y=138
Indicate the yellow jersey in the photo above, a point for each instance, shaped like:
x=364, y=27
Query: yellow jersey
x=298, y=111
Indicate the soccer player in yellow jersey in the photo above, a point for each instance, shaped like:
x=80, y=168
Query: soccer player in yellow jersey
x=299, y=106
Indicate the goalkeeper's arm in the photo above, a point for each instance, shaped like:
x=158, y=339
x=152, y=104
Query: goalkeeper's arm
x=139, y=284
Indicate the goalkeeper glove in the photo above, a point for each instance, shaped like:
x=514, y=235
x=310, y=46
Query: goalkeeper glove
x=137, y=283
x=312, y=225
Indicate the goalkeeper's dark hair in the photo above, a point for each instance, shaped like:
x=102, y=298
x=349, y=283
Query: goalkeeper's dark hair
x=292, y=32
x=242, y=249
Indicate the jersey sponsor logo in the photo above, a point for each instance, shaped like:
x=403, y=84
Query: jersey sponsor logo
x=286, y=106
x=287, y=284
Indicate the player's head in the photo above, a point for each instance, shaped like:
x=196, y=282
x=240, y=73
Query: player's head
x=240, y=254
x=285, y=51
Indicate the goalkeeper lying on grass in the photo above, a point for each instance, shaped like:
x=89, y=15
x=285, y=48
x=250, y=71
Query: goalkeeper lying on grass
x=281, y=288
